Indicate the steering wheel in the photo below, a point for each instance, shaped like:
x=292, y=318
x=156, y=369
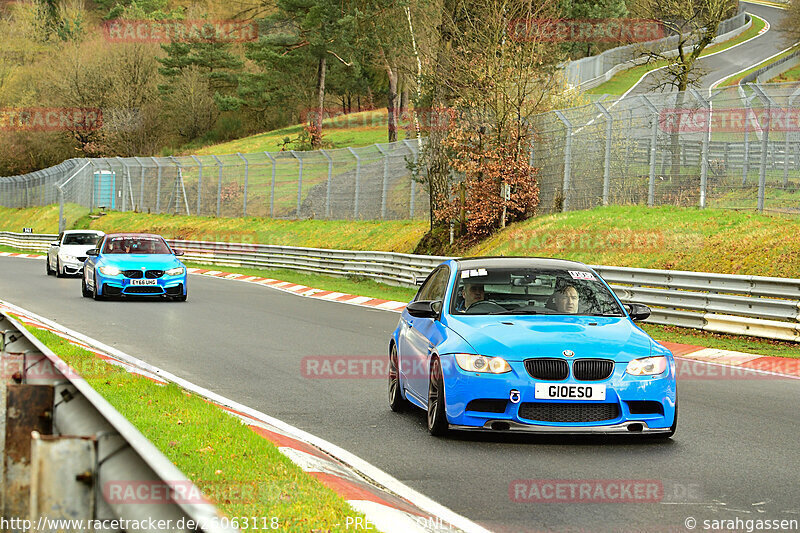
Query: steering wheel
x=484, y=306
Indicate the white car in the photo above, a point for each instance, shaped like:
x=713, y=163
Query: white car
x=66, y=255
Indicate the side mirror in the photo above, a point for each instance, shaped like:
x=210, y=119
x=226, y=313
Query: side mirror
x=424, y=309
x=94, y=252
x=54, y=243
x=638, y=312
x=178, y=252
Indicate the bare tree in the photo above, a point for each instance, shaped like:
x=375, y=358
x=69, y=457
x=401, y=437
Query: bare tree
x=695, y=24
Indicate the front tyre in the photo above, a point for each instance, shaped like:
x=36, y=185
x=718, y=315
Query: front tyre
x=58, y=269
x=84, y=289
x=47, y=266
x=437, y=418
x=95, y=293
x=397, y=403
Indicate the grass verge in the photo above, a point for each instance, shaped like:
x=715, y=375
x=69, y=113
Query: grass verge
x=624, y=80
x=241, y=472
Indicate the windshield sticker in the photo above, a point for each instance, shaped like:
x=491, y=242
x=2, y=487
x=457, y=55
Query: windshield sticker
x=577, y=274
x=473, y=273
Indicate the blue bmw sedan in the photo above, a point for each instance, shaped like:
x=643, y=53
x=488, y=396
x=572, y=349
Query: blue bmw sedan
x=134, y=264
x=529, y=345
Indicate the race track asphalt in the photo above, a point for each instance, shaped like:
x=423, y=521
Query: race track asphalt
x=735, y=453
x=724, y=64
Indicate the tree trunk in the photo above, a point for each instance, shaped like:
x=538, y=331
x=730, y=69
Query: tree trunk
x=404, y=96
x=391, y=103
x=675, y=145
x=316, y=138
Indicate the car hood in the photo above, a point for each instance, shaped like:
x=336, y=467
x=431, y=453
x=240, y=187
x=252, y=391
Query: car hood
x=137, y=261
x=74, y=249
x=516, y=338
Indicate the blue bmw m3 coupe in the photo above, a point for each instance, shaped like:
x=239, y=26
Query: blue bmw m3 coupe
x=134, y=264
x=529, y=345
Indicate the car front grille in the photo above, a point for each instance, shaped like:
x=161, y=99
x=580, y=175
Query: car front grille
x=133, y=274
x=146, y=289
x=153, y=274
x=547, y=369
x=592, y=369
x=81, y=259
x=569, y=412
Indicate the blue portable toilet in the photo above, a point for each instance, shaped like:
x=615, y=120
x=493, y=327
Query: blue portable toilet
x=105, y=188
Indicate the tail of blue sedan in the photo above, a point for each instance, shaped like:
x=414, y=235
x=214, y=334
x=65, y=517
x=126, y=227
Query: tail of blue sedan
x=529, y=345
x=133, y=264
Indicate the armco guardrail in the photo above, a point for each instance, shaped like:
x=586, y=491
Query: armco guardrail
x=69, y=455
x=725, y=303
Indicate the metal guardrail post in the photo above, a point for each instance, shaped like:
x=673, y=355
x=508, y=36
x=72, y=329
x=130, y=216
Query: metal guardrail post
x=762, y=171
x=299, y=181
x=358, y=178
x=125, y=178
x=199, y=184
x=272, y=187
x=219, y=185
x=328, y=186
x=384, y=189
x=246, y=172
x=607, y=159
x=651, y=185
x=567, y=161
x=141, y=184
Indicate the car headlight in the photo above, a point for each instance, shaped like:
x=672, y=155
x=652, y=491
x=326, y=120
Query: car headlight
x=69, y=258
x=109, y=270
x=647, y=366
x=177, y=271
x=479, y=363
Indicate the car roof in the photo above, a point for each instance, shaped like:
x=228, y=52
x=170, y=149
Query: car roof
x=73, y=231
x=134, y=235
x=518, y=262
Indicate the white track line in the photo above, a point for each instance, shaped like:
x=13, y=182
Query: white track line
x=373, y=473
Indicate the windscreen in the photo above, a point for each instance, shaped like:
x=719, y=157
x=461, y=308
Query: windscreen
x=83, y=239
x=530, y=291
x=135, y=245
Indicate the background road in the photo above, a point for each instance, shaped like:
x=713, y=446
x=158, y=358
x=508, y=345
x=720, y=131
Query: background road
x=735, y=453
x=724, y=64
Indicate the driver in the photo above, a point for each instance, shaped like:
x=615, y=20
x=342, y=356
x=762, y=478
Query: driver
x=566, y=299
x=473, y=293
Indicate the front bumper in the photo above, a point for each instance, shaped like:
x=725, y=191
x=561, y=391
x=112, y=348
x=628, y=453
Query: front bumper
x=625, y=397
x=121, y=286
x=72, y=267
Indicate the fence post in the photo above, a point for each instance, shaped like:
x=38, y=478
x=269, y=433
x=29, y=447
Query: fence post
x=358, y=177
x=607, y=161
x=413, y=181
x=705, y=147
x=328, y=188
x=125, y=177
x=567, y=162
x=199, y=183
x=299, y=180
x=219, y=185
x=384, y=190
x=272, y=189
x=651, y=186
x=158, y=188
x=746, y=154
x=762, y=171
x=246, y=172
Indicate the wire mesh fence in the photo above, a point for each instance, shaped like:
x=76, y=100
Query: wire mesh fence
x=737, y=147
